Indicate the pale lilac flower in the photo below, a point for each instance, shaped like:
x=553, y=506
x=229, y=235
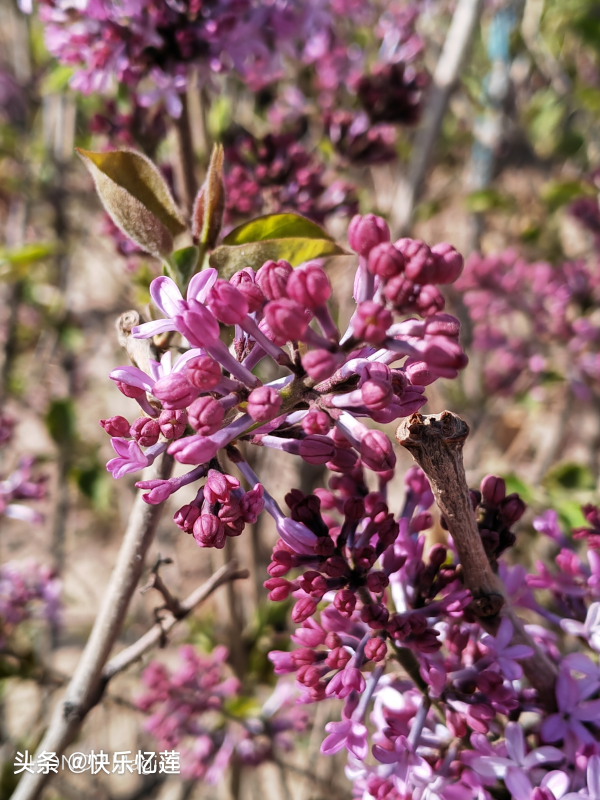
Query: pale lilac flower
x=573, y=710
x=130, y=457
x=555, y=784
x=348, y=734
x=516, y=757
x=592, y=791
x=589, y=630
x=505, y=654
x=167, y=297
x=409, y=769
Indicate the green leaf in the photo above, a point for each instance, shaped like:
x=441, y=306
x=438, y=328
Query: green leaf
x=60, y=421
x=571, y=476
x=276, y=226
x=486, y=200
x=26, y=255
x=56, y=80
x=228, y=260
x=182, y=265
x=559, y=193
x=137, y=198
x=207, y=217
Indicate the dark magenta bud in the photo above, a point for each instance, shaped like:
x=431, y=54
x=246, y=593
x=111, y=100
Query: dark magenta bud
x=173, y=423
x=116, y=426
x=309, y=285
x=386, y=261
x=493, y=490
x=365, y=233
x=145, y=431
x=264, y=403
x=206, y=415
x=272, y=278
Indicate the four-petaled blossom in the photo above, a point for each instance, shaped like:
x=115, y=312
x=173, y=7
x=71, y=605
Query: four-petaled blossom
x=169, y=300
x=491, y=766
x=348, y=734
x=505, y=654
x=589, y=630
x=573, y=711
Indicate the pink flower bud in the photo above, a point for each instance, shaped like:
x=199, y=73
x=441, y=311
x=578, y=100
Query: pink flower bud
x=343, y=461
x=377, y=582
x=376, y=649
x=448, y=263
x=316, y=422
x=186, y=517
x=317, y=449
x=365, y=233
x=145, y=431
x=376, y=451
x=197, y=324
x=264, y=403
x=419, y=372
x=375, y=615
x=313, y=583
x=493, y=490
x=173, y=423
x=399, y=291
x=335, y=567
x=209, y=531
x=345, y=682
x=218, y=486
x=287, y=320
x=206, y=415
x=227, y=303
x=338, y=658
x=420, y=264
x=442, y=325
x=116, y=426
x=304, y=608
x=203, y=372
x=371, y=322
x=511, y=508
x=376, y=394
x=332, y=640
x=321, y=364
x=252, y=503
x=303, y=657
x=272, y=278
x=345, y=602
x=174, y=391
x=245, y=282
x=308, y=675
x=309, y=285
x=279, y=589
x=386, y=261
x=354, y=509
x=282, y=662
x=429, y=301
x=129, y=391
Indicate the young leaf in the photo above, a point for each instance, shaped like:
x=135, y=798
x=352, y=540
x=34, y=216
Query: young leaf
x=276, y=226
x=228, y=260
x=209, y=205
x=137, y=198
x=182, y=265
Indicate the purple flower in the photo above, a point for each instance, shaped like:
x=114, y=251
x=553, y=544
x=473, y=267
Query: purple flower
x=505, y=654
x=589, y=630
x=573, y=710
x=517, y=759
x=168, y=299
x=592, y=791
x=553, y=786
x=130, y=457
x=348, y=734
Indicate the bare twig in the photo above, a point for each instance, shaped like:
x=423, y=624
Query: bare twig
x=226, y=574
x=436, y=443
x=458, y=42
x=156, y=582
x=87, y=683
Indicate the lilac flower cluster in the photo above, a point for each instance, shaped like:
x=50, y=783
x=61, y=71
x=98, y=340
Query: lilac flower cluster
x=191, y=710
x=27, y=590
x=368, y=598
x=533, y=321
x=209, y=397
x=277, y=173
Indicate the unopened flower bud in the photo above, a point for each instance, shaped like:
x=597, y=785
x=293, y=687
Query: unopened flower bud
x=245, y=282
x=272, y=278
x=145, y=431
x=206, y=415
x=130, y=391
x=317, y=449
x=303, y=657
x=304, y=608
x=174, y=391
x=320, y=364
x=287, y=320
x=227, y=303
x=264, y=403
x=332, y=640
x=376, y=394
x=338, y=658
x=376, y=451
x=371, y=322
x=173, y=423
x=313, y=583
x=448, y=263
x=375, y=615
x=309, y=285
x=493, y=490
x=365, y=233
x=186, y=517
x=345, y=602
x=335, y=567
x=209, y=531
x=203, y=372
x=377, y=582
x=385, y=261
x=400, y=291
x=279, y=589
x=116, y=426
x=430, y=301
x=316, y=422
x=420, y=264
x=376, y=649
x=511, y=509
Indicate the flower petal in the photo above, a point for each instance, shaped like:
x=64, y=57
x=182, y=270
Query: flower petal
x=166, y=295
x=518, y=784
x=148, y=329
x=201, y=284
x=542, y=755
x=515, y=742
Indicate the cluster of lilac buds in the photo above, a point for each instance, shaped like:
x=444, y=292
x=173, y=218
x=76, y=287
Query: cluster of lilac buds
x=277, y=173
x=209, y=398
x=533, y=321
x=189, y=711
x=27, y=590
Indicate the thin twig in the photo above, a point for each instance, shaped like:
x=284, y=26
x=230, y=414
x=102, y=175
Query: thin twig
x=456, y=46
x=226, y=574
x=87, y=683
x=436, y=443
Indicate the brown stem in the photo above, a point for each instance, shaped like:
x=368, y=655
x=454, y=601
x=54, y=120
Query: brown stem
x=155, y=581
x=436, y=443
x=185, y=163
